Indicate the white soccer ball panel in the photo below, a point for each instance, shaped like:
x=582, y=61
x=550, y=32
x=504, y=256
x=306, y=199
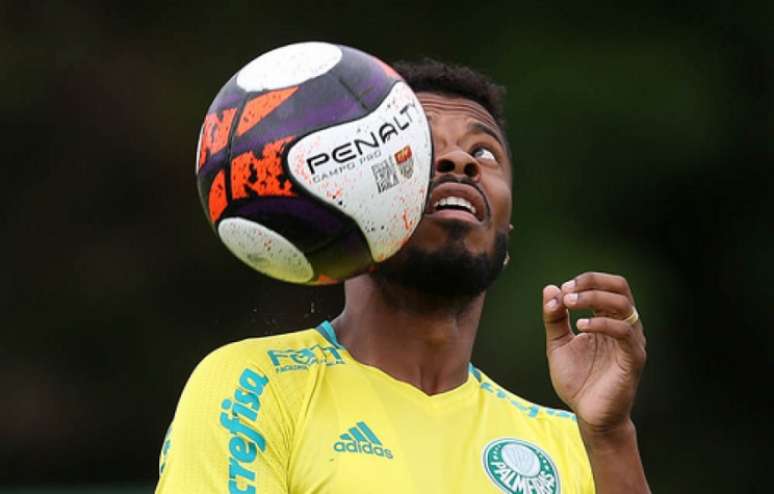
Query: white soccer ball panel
x=288, y=66
x=265, y=250
x=375, y=170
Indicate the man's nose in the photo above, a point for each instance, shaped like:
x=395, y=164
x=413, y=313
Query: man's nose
x=457, y=162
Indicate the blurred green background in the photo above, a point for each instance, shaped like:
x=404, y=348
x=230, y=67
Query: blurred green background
x=643, y=145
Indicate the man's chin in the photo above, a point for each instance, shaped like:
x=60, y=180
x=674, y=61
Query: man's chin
x=451, y=271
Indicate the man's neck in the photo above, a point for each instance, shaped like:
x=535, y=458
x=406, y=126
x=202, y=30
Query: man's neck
x=424, y=341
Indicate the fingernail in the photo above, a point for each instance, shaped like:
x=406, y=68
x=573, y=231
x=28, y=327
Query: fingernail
x=551, y=305
x=568, y=285
x=583, y=323
x=570, y=298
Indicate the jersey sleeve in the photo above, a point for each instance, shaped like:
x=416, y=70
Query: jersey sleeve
x=231, y=432
x=579, y=462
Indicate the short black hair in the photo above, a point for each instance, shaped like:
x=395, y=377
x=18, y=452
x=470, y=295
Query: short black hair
x=455, y=80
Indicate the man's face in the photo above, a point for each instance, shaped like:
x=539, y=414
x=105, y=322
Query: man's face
x=459, y=246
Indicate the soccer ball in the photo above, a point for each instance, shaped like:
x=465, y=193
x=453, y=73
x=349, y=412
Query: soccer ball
x=313, y=163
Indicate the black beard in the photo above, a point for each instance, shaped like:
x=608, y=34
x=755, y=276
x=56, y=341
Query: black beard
x=452, y=272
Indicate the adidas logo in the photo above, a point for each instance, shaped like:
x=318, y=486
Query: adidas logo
x=361, y=439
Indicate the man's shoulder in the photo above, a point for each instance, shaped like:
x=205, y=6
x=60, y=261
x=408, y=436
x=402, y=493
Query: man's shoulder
x=260, y=367
x=515, y=404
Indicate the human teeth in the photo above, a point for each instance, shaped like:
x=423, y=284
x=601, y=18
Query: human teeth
x=455, y=201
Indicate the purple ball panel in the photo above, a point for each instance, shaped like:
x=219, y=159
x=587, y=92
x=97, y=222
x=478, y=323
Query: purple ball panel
x=305, y=222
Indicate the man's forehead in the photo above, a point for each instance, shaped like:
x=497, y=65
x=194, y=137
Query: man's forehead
x=440, y=104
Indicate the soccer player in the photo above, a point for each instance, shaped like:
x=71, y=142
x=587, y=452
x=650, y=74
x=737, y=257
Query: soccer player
x=384, y=399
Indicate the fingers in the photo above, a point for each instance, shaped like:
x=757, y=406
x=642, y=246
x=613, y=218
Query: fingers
x=615, y=328
x=625, y=334
x=599, y=281
x=608, y=295
x=601, y=302
x=555, y=316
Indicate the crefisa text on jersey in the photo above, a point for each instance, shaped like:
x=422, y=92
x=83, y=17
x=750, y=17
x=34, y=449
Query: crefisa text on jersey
x=358, y=151
x=238, y=412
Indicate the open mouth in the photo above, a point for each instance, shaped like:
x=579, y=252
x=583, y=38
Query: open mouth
x=456, y=200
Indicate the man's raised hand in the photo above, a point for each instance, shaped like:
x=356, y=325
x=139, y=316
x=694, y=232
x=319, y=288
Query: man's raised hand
x=596, y=370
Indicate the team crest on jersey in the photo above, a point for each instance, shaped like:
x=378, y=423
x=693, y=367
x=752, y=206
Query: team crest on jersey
x=519, y=467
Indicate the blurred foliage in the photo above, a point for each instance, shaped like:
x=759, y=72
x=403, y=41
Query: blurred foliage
x=643, y=145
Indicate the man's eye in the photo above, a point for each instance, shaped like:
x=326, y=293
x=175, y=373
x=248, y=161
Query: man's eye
x=484, y=154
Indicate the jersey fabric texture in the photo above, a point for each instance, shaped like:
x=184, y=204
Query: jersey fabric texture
x=295, y=413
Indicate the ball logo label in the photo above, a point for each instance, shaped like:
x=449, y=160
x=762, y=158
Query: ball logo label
x=519, y=467
x=405, y=160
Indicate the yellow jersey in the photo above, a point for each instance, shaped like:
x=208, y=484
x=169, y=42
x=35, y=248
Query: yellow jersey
x=296, y=414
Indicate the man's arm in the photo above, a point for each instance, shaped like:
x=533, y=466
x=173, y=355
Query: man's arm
x=615, y=458
x=596, y=373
